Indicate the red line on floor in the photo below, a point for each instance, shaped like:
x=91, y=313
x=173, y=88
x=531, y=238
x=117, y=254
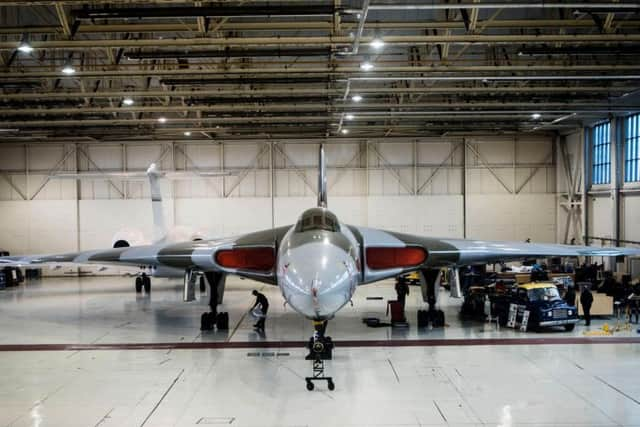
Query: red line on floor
x=338, y=343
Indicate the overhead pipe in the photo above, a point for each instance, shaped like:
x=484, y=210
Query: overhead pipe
x=496, y=78
x=510, y=5
x=246, y=80
x=229, y=110
x=239, y=95
x=401, y=40
x=220, y=11
x=228, y=53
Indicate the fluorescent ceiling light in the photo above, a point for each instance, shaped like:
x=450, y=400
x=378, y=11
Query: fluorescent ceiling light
x=68, y=69
x=356, y=98
x=536, y=116
x=187, y=133
x=349, y=116
x=366, y=66
x=345, y=131
x=127, y=101
x=377, y=43
x=162, y=119
x=25, y=47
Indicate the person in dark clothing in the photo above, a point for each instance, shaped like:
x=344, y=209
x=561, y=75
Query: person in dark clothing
x=264, y=305
x=402, y=289
x=570, y=296
x=586, y=299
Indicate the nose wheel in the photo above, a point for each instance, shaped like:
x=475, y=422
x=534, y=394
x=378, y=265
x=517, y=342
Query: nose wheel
x=320, y=349
x=143, y=282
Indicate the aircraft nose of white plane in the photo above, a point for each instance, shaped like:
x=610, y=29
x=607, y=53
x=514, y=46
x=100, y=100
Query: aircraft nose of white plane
x=317, y=279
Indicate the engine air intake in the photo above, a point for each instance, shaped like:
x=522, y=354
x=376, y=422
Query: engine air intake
x=260, y=259
x=385, y=257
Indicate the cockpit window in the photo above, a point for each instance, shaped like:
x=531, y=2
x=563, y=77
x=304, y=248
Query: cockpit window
x=317, y=219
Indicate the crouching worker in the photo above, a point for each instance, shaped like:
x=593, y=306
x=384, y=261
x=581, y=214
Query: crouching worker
x=263, y=304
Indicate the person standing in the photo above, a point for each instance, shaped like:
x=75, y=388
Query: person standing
x=586, y=299
x=570, y=296
x=264, y=306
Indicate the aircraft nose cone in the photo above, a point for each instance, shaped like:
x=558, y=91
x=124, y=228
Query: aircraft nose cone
x=317, y=279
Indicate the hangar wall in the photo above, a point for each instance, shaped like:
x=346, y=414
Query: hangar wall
x=495, y=187
x=599, y=217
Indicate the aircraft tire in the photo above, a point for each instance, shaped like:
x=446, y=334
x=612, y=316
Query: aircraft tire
x=138, y=284
x=222, y=322
x=331, y=385
x=203, y=286
x=206, y=323
x=309, y=385
x=146, y=282
x=438, y=319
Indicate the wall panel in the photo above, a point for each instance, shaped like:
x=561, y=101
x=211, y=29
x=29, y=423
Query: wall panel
x=366, y=188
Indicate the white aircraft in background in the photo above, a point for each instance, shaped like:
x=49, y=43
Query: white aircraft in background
x=319, y=262
x=162, y=234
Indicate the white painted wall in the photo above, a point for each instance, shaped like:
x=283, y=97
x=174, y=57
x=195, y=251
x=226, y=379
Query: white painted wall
x=371, y=186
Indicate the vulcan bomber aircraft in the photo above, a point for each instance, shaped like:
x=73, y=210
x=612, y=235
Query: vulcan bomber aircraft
x=319, y=262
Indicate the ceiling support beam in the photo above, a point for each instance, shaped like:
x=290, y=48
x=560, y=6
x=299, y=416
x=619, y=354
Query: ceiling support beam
x=64, y=21
x=343, y=41
x=258, y=93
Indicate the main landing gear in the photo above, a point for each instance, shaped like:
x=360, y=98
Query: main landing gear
x=320, y=349
x=212, y=318
x=430, y=287
x=143, y=281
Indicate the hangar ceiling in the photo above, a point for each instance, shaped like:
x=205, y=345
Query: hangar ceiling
x=167, y=70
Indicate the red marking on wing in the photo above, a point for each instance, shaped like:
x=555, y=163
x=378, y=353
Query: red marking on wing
x=260, y=259
x=383, y=257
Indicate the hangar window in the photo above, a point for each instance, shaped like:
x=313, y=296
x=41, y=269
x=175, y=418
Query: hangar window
x=632, y=149
x=602, y=154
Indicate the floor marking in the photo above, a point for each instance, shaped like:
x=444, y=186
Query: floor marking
x=237, y=326
x=162, y=398
x=575, y=392
x=216, y=420
x=73, y=354
x=439, y=410
x=618, y=390
x=457, y=342
x=103, y=419
x=122, y=325
x=394, y=370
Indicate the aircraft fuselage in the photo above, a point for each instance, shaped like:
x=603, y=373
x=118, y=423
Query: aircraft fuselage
x=318, y=265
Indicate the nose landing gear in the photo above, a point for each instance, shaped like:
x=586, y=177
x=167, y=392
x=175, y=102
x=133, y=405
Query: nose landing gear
x=320, y=349
x=143, y=281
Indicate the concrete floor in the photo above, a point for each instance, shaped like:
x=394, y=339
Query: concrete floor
x=585, y=384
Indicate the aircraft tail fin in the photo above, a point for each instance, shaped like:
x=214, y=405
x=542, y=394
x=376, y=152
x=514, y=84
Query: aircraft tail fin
x=159, y=226
x=322, y=179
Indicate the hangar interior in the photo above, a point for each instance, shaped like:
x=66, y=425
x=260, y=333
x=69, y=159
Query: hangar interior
x=510, y=121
